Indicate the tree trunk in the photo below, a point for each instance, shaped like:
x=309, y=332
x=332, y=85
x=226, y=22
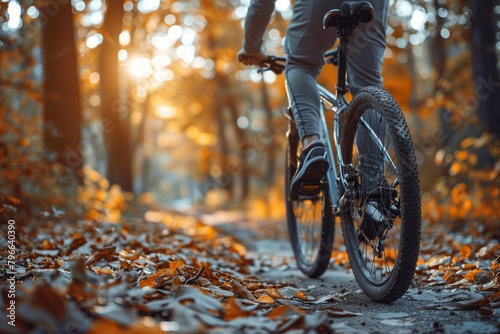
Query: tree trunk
x=486, y=73
x=271, y=150
x=242, y=143
x=227, y=185
x=439, y=57
x=114, y=112
x=142, y=146
x=437, y=45
x=62, y=109
x=414, y=94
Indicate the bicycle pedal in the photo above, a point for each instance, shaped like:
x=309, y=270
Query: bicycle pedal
x=310, y=189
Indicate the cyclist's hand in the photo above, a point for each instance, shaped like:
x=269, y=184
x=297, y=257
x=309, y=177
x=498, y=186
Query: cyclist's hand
x=249, y=58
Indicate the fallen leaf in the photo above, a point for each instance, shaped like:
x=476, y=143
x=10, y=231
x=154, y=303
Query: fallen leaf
x=466, y=251
x=288, y=292
x=301, y=295
x=339, y=313
x=241, y=291
x=475, y=302
x=233, y=310
x=152, y=280
x=121, y=315
x=106, y=253
x=265, y=299
x=327, y=298
x=397, y=323
x=391, y=315
x=282, y=310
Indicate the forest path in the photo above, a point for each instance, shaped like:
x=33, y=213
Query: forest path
x=350, y=311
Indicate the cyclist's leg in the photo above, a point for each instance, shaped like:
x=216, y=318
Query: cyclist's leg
x=364, y=67
x=366, y=49
x=305, y=43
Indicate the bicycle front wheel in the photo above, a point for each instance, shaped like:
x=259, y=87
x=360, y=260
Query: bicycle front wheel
x=311, y=225
x=380, y=209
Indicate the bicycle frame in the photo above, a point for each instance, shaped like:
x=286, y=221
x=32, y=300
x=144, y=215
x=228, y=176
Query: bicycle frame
x=331, y=100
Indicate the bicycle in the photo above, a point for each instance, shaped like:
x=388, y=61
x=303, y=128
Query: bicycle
x=369, y=131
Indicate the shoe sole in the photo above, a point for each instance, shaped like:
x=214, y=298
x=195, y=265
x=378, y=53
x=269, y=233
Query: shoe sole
x=312, y=174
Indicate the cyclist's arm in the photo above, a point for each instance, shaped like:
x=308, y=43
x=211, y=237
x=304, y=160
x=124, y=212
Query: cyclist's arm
x=258, y=17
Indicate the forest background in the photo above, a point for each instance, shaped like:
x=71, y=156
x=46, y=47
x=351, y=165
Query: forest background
x=151, y=108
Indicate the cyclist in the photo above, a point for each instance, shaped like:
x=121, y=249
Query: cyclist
x=306, y=42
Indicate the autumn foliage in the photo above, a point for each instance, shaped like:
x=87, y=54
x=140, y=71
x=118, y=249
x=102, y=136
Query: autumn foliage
x=173, y=271
x=204, y=133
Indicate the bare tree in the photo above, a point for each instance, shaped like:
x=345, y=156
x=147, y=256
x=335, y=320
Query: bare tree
x=486, y=73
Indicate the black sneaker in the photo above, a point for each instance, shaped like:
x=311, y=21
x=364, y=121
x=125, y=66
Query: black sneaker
x=312, y=168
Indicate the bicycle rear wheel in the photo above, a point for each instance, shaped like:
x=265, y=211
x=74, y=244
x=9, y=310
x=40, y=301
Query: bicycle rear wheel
x=311, y=225
x=381, y=206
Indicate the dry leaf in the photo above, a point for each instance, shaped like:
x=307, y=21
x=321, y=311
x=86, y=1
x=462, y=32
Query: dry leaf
x=282, y=310
x=151, y=280
x=265, y=299
x=233, y=310
x=47, y=245
x=241, y=291
x=339, y=313
x=301, y=295
x=106, y=253
x=466, y=251
x=473, y=303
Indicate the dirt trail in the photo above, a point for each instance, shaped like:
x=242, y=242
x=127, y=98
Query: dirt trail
x=418, y=311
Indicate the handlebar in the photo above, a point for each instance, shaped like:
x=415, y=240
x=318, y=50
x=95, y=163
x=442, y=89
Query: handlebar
x=277, y=63
x=273, y=63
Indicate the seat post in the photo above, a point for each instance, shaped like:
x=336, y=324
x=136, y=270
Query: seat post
x=342, y=87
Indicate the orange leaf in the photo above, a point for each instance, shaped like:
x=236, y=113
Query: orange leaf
x=301, y=295
x=253, y=286
x=238, y=248
x=176, y=264
x=282, y=310
x=129, y=256
x=196, y=263
x=150, y=281
x=471, y=275
x=226, y=286
x=47, y=245
x=466, y=251
x=233, y=310
x=469, y=266
x=274, y=293
x=3, y=128
x=265, y=299
x=107, y=326
x=13, y=200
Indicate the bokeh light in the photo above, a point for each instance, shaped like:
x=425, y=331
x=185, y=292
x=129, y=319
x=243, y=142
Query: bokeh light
x=140, y=67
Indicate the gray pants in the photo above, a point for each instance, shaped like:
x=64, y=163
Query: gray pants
x=305, y=43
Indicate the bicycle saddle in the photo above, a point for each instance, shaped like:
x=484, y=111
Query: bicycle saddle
x=350, y=14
